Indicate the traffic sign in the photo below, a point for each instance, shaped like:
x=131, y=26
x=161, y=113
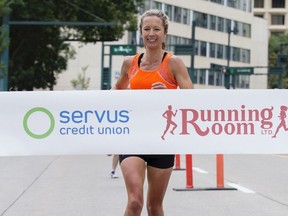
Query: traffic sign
x=123, y=49
x=241, y=70
x=183, y=50
x=276, y=70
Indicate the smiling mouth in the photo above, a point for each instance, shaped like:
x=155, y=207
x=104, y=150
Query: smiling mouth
x=151, y=40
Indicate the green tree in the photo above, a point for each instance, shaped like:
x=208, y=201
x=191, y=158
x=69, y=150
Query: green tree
x=82, y=82
x=39, y=53
x=5, y=9
x=278, y=45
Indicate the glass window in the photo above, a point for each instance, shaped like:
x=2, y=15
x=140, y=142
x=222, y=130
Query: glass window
x=156, y=5
x=169, y=40
x=218, y=78
x=203, y=48
x=231, y=3
x=228, y=52
x=245, y=5
x=186, y=16
x=228, y=26
x=238, y=28
x=258, y=3
x=215, y=78
x=178, y=40
x=277, y=20
x=196, y=18
x=249, y=56
x=259, y=15
x=211, y=78
x=218, y=1
x=169, y=11
x=220, y=51
x=277, y=33
x=245, y=55
x=201, y=19
x=220, y=24
x=278, y=3
x=177, y=14
x=204, y=20
x=196, y=47
x=235, y=54
x=193, y=75
x=212, y=50
x=242, y=81
x=212, y=22
x=186, y=41
x=173, y=40
x=201, y=76
x=246, y=30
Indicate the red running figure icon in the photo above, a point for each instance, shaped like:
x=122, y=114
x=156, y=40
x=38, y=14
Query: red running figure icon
x=282, y=117
x=168, y=114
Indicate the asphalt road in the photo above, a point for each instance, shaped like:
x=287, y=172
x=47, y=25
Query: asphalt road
x=81, y=186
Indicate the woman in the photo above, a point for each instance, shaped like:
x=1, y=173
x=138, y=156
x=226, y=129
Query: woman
x=153, y=69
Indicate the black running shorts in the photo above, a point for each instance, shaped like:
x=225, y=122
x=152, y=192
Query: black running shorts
x=157, y=161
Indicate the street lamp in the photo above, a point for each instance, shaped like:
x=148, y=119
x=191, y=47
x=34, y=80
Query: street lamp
x=227, y=74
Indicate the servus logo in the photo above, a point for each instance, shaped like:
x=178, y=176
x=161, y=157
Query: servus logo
x=241, y=121
x=39, y=122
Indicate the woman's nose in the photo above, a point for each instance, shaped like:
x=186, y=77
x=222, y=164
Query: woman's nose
x=151, y=31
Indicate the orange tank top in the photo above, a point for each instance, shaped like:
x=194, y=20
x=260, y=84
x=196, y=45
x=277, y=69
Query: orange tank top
x=141, y=79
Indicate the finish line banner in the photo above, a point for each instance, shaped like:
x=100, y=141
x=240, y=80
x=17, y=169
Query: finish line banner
x=144, y=122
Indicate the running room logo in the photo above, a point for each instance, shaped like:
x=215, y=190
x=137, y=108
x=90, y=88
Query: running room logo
x=238, y=121
x=39, y=122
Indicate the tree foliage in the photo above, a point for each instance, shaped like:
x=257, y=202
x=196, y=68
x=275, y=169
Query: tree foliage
x=82, y=82
x=39, y=53
x=278, y=45
x=4, y=43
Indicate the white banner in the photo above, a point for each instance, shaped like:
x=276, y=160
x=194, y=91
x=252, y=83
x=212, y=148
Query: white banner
x=144, y=121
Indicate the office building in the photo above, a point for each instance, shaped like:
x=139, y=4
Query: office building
x=219, y=25
x=275, y=12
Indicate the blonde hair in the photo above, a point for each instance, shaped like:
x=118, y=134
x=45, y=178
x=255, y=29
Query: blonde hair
x=158, y=13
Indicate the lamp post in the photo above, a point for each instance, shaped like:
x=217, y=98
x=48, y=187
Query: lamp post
x=193, y=49
x=220, y=157
x=228, y=75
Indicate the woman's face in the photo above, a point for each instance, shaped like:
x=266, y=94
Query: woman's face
x=153, y=32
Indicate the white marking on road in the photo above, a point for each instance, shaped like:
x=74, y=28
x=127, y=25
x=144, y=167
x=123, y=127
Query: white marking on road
x=281, y=155
x=200, y=170
x=240, y=188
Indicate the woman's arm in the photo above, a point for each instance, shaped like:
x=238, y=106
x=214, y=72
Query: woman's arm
x=179, y=71
x=123, y=80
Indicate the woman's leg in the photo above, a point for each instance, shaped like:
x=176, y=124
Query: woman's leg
x=115, y=161
x=158, y=180
x=133, y=170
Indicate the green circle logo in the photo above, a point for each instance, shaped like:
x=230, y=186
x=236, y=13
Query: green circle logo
x=29, y=132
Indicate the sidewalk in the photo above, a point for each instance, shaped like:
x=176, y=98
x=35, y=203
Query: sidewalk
x=81, y=186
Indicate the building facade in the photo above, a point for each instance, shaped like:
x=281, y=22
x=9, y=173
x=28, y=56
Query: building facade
x=226, y=34
x=275, y=12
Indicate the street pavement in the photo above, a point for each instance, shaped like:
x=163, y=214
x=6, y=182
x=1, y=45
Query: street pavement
x=81, y=186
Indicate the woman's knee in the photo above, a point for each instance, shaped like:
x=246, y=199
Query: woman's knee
x=135, y=203
x=153, y=209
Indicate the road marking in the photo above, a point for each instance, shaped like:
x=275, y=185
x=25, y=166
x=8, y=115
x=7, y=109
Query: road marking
x=281, y=155
x=240, y=188
x=200, y=170
x=237, y=186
